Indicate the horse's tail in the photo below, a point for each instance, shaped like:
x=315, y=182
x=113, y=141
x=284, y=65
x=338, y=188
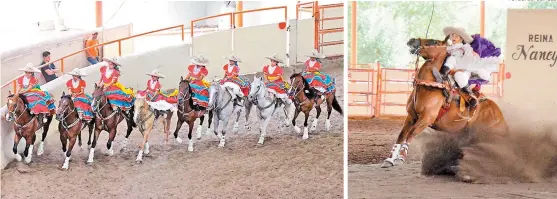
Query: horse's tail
x=336, y=105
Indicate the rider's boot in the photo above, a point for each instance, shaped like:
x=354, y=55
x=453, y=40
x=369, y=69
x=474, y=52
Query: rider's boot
x=473, y=99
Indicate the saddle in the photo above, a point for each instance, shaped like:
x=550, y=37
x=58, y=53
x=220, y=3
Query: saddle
x=461, y=98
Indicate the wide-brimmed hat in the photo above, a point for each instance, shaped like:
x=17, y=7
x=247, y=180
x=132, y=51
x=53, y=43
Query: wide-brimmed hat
x=316, y=54
x=76, y=72
x=113, y=60
x=156, y=73
x=200, y=60
x=275, y=57
x=233, y=57
x=459, y=31
x=30, y=68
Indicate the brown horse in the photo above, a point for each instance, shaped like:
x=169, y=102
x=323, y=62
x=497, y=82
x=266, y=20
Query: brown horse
x=107, y=119
x=188, y=112
x=25, y=125
x=145, y=118
x=70, y=126
x=436, y=103
x=305, y=97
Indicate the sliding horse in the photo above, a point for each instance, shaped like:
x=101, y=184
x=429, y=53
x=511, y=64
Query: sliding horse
x=188, y=112
x=305, y=97
x=437, y=103
x=221, y=103
x=25, y=125
x=145, y=119
x=267, y=104
x=107, y=119
x=70, y=126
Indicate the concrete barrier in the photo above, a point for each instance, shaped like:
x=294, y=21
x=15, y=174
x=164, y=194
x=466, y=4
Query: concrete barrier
x=173, y=62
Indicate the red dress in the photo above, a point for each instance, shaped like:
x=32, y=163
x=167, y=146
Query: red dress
x=232, y=76
x=322, y=82
x=39, y=101
x=82, y=102
x=117, y=95
x=154, y=94
x=198, y=86
x=275, y=82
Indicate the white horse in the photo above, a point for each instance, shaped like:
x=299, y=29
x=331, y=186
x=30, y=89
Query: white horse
x=267, y=103
x=221, y=103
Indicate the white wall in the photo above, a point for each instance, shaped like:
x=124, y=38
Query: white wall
x=173, y=59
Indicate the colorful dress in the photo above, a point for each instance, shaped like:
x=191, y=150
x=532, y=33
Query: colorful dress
x=322, y=82
x=82, y=102
x=231, y=75
x=276, y=84
x=199, y=87
x=154, y=94
x=118, y=95
x=39, y=101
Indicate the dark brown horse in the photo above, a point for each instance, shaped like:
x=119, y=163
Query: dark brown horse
x=305, y=98
x=436, y=103
x=25, y=125
x=70, y=126
x=108, y=119
x=188, y=112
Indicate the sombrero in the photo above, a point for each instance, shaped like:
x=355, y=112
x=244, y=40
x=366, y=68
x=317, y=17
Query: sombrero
x=113, y=60
x=76, y=72
x=156, y=73
x=316, y=54
x=233, y=57
x=200, y=60
x=275, y=58
x=30, y=68
x=459, y=31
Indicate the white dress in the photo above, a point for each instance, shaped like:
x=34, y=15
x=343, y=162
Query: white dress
x=462, y=58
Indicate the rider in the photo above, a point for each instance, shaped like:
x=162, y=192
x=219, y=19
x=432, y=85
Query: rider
x=82, y=102
x=321, y=82
x=470, y=55
x=161, y=100
x=120, y=97
x=231, y=71
x=200, y=87
x=273, y=79
x=40, y=102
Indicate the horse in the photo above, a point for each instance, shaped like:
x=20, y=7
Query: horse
x=266, y=103
x=70, y=126
x=25, y=125
x=144, y=117
x=304, y=98
x=432, y=104
x=188, y=112
x=108, y=119
x=222, y=105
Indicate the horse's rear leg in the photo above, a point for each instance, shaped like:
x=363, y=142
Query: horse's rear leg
x=28, y=153
x=329, y=111
x=16, y=142
x=247, y=106
x=210, y=120
x=69, y=152
x=94, y=144
x=200, y=127
x=316, y=119
x=91, y=128
x=178, y=126
x=236, y=126
x=222, y=141
x=263, y=129
x=128, y=132
x=144, y=147
x=46, y=126
x=190, y=129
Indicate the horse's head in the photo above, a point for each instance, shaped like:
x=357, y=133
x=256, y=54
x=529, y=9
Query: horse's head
x=99, y=97
x=297, y=84
x=65, y=105
x=139, y=105
x=214, y=91
x=184, y=90
x=16, y=103
x=427, y=48
x=256, y=86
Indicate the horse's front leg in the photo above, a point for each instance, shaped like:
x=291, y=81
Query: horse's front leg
x=263, y=129
x=191, y=123
x=236, y=126
x=111, y=136
x=296, y=113
x=94, y=144
x=144, y=147
x=222, y=141
x=16, y=142
x=46, y=126
x=306, y=134
x=400, y=148
x=129, y=123
x=178, y=126
x=200, y=127
x=316, y=119
x=91, y=126
x=28, y=153
x=210, y=120
x=329, y=111
x=69, y=152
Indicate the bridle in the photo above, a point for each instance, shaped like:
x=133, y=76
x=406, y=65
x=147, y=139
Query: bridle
x=16, y=117
x=218, y=87
x=256, y=101
x=143, y=119
x=98, y=110
x=182, y=99
x=297, y=91
x=66, y=115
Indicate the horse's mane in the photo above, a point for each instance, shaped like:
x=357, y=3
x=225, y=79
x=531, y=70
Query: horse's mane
x=189, y=90
x=24, y=99
x=311, y=92
x=66, y=97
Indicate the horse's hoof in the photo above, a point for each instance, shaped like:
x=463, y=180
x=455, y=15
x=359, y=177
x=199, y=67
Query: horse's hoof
x=314, y=125
x=261, y=140
x=208, y=132
x=122, y=150
x=110, y=152
x=306, y=135
x=139, y=161
x=297, y=129
x=398, y=162
x=387, y=164
x=89, y=146
x=198, y=132
x=453, y=169
x=248, y=128
x=466, y=178
x=89, y=163
x=18, y=157
x=328, y=125
x=179, y=140
x=190, y=148
x=65, y=167
x=40, y=151
x=28, y=159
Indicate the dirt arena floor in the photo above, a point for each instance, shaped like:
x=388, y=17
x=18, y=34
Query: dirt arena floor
x=370, y=142
x=284, y=167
